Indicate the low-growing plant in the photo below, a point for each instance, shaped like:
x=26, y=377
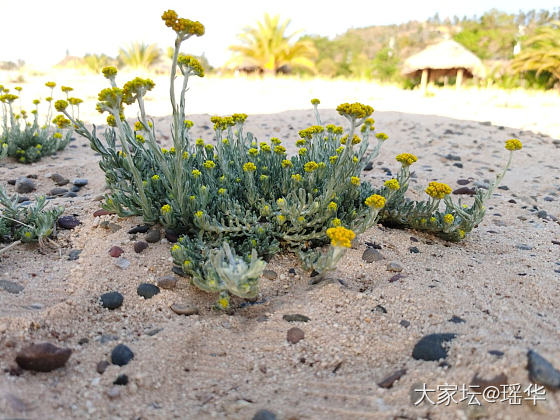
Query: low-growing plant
x=239, y=201
x=23, y=223
x=23, y=137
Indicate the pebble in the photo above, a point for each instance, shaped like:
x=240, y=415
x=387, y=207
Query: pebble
x=58, y=191
x=121, y=380
x=74, y=254
x=379, y=308
x=463, y=182
x=147, y=290
x=102, y=366
x=430, y=347
x=524, y=247
x=264, y=415
x=167, y=282
x=497, y=381
x=394, y=266
x=139, y=229
x=114, y=393
x=370, y=255
x=456, y=320
x=140, y=246
x=414, y=250
x=101, y=212
x=405, y=323
x=171, y=236
x=11, y=287
x=59, y=180
x=270, y=274
x=70, y=195
x=541, y=371
x=296, y=318
x=122, y=263
x=389, y=380
x=184, y=309
x=24, y=185
x=116, y=251
x=80, y=182
x=153, y=236
x=542, y=214
x=453, y=157
x=496, y=353
x=111, y=300
x=464, y=190
x=295, y=335
x=42, y=357
x=68, y=222
x=121, y=355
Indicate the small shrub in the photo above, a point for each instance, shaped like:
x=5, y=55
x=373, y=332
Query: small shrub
x=240, y=201
x=23, y=138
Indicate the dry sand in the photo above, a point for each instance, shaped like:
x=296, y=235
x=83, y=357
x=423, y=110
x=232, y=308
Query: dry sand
x=214, y=365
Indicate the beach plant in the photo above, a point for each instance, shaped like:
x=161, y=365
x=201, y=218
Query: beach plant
x=238, y=201
x=26, y=222
x=139, y=55
x=22, y=136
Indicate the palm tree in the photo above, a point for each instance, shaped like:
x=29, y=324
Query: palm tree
x=268, y=48
x=541, y=52
x=139, y=55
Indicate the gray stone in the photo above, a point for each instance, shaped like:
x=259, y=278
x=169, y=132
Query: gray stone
x=147, y=290
x=122, y=263
x=371, y=254
x=541, y=371
x=153, y=235
x=25, y=185
x=11, y=287
x=295, y=335
x=59, y=180
x=270, y=274
x=167, y=282
x=184, y=309
x=394, y=266
x=264, y=415
x=58, y=191
x=42, y=357
x=121, y=355
x=111, y=300
x=430, y=347
x=80, y=182
x=296, y=318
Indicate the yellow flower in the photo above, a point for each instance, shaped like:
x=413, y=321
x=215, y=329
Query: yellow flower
x=109, y=72
x=355, y=159
x=300, y=142
x=302, y=151
x=340, y=150
x=355, y=110
x=138, y=126
x=249, y=167
x=333, y=159
x=225, y=141
x=60, y=105
x=263, y=177
x=279, y=149
x=275, y=140
x=513, y=144
x=192, y=197
x=335, y=222
x=185, y=155
x=382, y=136
x=199, y=214
x=196, y=173
x=438, y=190
x=281, y=218
x=166, y=209
x=461, y=233
x=175, y=248
x=36, y=101
x=376, y=201
x=61, y=121
x=406, y=159
x=50, y=84
x=340, y=236
x=253, y=152
x=223, y=302
x=286, y=163
x=164, y=150
x=332, y=206
x=322, y=165
x=66, y=89
x=222, y=191
x=296, y=177
x=315, y=101
x=209, y=147
x=188, y=123
x=355, y=180
x=57, y=135
x=448, y=218
x=199, y=142
x=392, y=184
x=310, y=166
x=140, y=138
x=209, y=164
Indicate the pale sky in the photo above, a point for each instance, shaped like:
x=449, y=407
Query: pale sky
x=40, y=31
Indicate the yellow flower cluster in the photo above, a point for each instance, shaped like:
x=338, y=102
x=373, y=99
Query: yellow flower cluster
x=376, y=201
x=355, y=180
x=392, y=184
x=438, y=190
x=355, y=110
x=209, y=164
x=253, y=151
x=406, y=159
x=307, y=133
x=286, y=163
x=196, y=173
x=513, y=144
x=50, y=84
x=135, y=88
x=165, y=209
x=239, y=118
x=296, y=177
x=109, y=98
x=75, y=101
x=332, y=206
x=340, y=236
x=331, y=128
x=109, y=72
x=222, y=123
x=182, y=26
x=302, y=151
x=448, y=218
x=155, y=177
x=66, y=89
x=61, y=121
x=310, y=166
x=249, y=167
x=279, y=149
x=8, y=98
x=382, y=136
x=190, y=65
x=60, y=105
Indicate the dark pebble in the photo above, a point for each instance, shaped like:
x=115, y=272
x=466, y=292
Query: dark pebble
x=102, y=366
x=456, y=320
x=121, y=355
x=541, y=371
x=296, y=318
x=140, y=246
x=11, y=287
x=503, y=188
x=23, y=198
x=430, y=347
x=414, y=250
x=542, y=214
x=42, y=357
x=179, y=271
x=295, y=335
x=171, y=236
x=68, y=222
x=388, y=381
x=121, y=380
x=80, y=182
x=59, y=180
x=70, y=194
x=101, y=212
x=453, y=157
x=167, y=282
x=463, y=181
x=270, y=274
x=74, y=189
x=264, y=415
x=83, y=341
x=116, y=251
x=58, y=191
x=379, y=308
x=11, y=182
x=74, y=254
x=24, y=185
x=465, y=190
x=111, y=300
x=368, y=167
x=458, y=165
x=371, y=254
x=139, y=229
x=292, y=271
x=147, y=290
x=404, y=323
x=153, y=236
x=496, y=353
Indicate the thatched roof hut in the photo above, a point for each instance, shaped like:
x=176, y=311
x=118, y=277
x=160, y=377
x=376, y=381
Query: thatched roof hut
x=444, y=59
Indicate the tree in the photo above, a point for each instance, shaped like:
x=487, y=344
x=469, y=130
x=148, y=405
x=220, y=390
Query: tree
x=268, y=48
x=541, y=52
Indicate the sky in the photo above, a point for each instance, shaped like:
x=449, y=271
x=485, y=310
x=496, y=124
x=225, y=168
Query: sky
x=41, y=32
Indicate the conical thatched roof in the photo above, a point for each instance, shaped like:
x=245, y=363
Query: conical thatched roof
x=444, y=55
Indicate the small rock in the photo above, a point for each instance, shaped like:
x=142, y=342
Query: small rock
x=368, y=167
x=542, y=214
x=122, y=263
x=292, y=271
x=496, y=353
x=463, y=182
x=83, y=341
x=404, y=323
x=264, y=415
x=482, y=184
x=147, y=290
x=153, y=236
x=111, y=300
x=394, y=266
x=430, y=347
x=70, y=195
x=101, y=212
x=11, y=287
x=116, y=251
x=58, y=191
x=464, y=190
x=414, y=250
x=59, y=180
x=171, y=236
x=379, y=308
x=68, y=222
x=453, y=157
x=114, y=393
x=495, y=382
x=121, y=355
x=541, y=371
x=184, y=309
x=167, y=282
x=295, y=335
x=388, y=381
x=396, y=277
x=74, y=189
x=524, y=247
x=139, y=229
x=80, y=182
x=121, y=380
x=179, y=271
x=74, y=254
x=296, y=318
x=270, y=274
x=24, y=185
x=42, y=357
x=371, y=254
x=456, y=320
x=102, y=366
x=140, y=246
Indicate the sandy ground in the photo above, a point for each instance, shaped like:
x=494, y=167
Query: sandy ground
x=214, y=365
